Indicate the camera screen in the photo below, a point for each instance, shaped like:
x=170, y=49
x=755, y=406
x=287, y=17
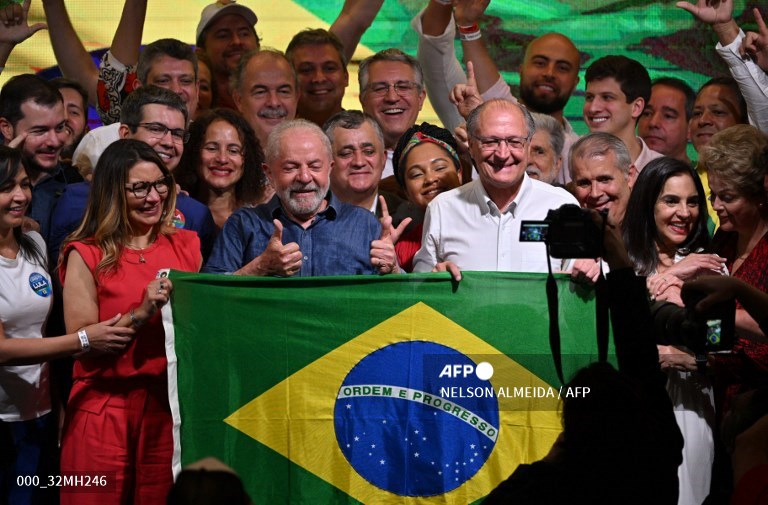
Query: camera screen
x=714, y=333
x=533, y=231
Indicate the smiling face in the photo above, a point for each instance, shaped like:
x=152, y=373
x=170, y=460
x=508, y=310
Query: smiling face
x=47, y=134
x=606, y=108
x=144, y=213
x=15, y=197
x=429, y=171
x=76, y=114
x=663, y=124
x=549, y=73
x=395, y=112
x=735, y=211
x=177, y=76
x=322, y=79
x=676, y=211
x=300, y=174
x=599, y=185
x=226, y=40
x=501, y=168
x=221, y=158
x=267, y=94
x=716, y=108
x=167, y=147
x=359, y=159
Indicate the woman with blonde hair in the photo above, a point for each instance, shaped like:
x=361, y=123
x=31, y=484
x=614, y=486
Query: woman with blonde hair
x=118, y=417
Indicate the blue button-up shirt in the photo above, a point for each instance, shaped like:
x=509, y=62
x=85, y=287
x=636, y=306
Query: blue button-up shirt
x=338, y=242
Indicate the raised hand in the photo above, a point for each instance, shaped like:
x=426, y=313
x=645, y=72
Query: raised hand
x=467, y=12
x=383, y=255
x=755, y=45
x=386, y=221
x=14, y=26
x=466, y=96
x=710, y=12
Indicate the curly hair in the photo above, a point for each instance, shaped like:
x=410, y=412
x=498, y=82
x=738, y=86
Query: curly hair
x=402, y=148
x=250, y=187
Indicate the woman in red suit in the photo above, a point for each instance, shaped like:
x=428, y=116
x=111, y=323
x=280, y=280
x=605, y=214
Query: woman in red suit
x=118, y=417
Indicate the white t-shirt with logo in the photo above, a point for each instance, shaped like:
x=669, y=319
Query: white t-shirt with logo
x=25, y=299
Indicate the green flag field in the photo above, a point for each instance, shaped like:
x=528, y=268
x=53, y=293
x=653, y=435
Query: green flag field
x=393, y=389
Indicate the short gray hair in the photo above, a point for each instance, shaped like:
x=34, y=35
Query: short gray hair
x=351, y=120
x=391, y=54
x=236, y=79
x=272, y=151
x=473, y=120
x=598, y=145
x=546, y=123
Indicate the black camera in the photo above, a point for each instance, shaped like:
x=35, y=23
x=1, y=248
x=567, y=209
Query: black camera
x=713, y=331
x=569, y=231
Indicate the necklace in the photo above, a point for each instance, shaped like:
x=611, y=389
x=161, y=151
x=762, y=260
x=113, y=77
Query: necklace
x=141, y=249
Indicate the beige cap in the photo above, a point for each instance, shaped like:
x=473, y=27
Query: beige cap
x=215, y=10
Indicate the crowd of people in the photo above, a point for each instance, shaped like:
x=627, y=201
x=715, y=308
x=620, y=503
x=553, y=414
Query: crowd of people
x=226, y=157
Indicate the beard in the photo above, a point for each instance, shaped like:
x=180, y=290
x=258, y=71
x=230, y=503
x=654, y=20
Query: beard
x=69, y=149
x=304, y=208
x=528, y=97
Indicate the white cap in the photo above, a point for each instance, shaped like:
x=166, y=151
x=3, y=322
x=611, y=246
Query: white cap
x=215, y=10
x=88, y=152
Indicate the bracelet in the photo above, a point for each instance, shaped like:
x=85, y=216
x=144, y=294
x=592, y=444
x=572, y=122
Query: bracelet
x=444, y=2
x=85, y=344
x=472, y=32
x=135, y=320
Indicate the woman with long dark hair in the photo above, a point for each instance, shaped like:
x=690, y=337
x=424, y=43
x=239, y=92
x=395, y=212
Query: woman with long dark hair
x=25, y=300
x=118, y=417
x=221, y=164
x=665, y=231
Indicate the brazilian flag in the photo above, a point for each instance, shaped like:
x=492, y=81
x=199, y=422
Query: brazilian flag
x=396, y=389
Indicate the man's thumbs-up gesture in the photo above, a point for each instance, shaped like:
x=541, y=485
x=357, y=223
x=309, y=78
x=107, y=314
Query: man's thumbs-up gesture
x=277, y=259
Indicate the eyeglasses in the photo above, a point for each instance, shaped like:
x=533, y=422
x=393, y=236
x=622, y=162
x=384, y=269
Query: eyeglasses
x=402, y=88
x=158, y=131
x=493, y=143
x=142, y=188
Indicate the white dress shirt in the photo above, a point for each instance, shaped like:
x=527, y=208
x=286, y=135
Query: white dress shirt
x=465, y=227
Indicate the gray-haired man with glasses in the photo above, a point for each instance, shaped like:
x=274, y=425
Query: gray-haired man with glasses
x=477, y=226
x=392, y=92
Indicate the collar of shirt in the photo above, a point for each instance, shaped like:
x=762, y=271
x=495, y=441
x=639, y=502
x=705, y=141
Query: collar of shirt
x=488, y=207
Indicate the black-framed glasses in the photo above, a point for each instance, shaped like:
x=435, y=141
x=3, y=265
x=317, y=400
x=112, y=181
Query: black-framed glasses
x=493, y=143
x=142, y=188
x=402, y=88
x=158, y=131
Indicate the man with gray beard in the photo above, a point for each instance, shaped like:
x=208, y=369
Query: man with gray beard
x=266, y=90
x=304, y=230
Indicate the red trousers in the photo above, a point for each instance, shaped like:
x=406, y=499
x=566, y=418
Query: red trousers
x=122, y=435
